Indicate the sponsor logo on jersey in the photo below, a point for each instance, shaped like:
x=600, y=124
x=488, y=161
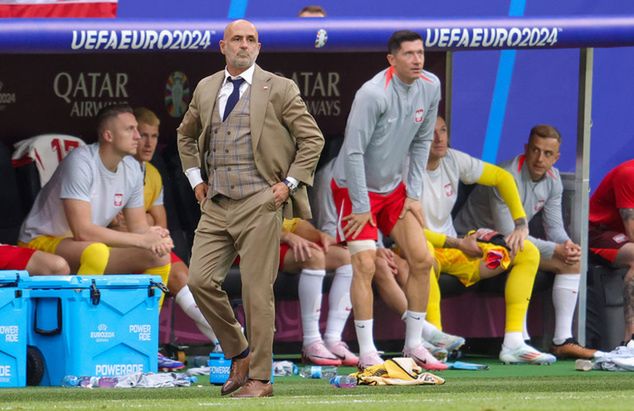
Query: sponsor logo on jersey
x=118, y=200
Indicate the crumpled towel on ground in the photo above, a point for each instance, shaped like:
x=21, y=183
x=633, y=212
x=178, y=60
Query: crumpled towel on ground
x=151, y=380
x=619, y=359
x=397, y=371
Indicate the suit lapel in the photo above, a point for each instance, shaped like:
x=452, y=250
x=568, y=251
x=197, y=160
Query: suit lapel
x=210, y=97
x=260, y=90
x=207, y=105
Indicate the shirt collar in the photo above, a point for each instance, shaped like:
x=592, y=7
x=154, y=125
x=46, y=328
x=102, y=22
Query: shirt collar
x=247, y=75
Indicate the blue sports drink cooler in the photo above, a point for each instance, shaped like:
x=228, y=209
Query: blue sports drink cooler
x=94, y=325
x=14, y=303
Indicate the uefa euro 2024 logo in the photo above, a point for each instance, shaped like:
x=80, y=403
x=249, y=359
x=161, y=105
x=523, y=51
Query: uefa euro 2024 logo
x=177, y=94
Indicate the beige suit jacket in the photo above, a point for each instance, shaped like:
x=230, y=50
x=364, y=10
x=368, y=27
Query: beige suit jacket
x=286, y=139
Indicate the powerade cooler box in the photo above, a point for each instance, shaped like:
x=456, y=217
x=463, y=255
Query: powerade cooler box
x=14, y=304
x=94, y=325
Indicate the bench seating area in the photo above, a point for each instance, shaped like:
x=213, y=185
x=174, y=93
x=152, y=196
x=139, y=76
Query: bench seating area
x=477, y=312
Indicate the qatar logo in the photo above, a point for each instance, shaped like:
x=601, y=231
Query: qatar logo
x=321, y=39
x=118, y=200
x=177, y=94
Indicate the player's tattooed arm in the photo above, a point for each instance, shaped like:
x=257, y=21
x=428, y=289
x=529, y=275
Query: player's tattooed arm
x=627, y=214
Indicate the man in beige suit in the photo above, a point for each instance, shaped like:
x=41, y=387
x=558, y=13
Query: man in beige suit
x=248, y=147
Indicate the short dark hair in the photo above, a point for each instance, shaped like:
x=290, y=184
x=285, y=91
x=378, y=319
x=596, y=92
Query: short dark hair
x=545, y=131
x=109, y=112
x=312, y=9
x=398, y=37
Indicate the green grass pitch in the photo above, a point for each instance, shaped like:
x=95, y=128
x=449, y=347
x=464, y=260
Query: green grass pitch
x=502, y=387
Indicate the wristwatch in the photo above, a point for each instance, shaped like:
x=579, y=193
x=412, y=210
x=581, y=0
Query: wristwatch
x=292, y=187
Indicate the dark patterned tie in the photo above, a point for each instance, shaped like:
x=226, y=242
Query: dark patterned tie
x=233, y=97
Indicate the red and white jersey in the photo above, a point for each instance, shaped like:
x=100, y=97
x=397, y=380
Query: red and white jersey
x=46, y=151
x=58, y=8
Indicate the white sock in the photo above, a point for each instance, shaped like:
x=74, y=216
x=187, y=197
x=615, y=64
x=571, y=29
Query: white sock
x=513, y=340
x=185, y=301
x=414, y=328
x=565, y=292
x=429, y=330
x=339, y=305
x=364, y=336
x=309, y=291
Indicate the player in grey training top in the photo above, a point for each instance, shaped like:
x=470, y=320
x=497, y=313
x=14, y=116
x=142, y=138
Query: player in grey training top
x=541, y=189
x=393, y=114
x=72, y=212
x=82, y=176
x=388, y=119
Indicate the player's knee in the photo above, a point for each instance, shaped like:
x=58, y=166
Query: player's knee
x=59, y=266
x=530, y=254
x=94, y=259
x=341, y=256
x=421, y=263
x=316, y=261
x=178, y=277
x=364, y=264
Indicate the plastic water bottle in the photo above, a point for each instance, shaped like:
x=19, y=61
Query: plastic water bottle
x=317, y=371
x=343, y=381
x=583, y=365
x=198, y=361
x=70, y=381
x=89, y=382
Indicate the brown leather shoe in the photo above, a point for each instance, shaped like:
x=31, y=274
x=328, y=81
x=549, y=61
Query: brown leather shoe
x=255, y=388
x=238, y=375
x=571, y=349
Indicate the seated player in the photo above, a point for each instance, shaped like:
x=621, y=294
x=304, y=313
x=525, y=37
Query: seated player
x=485, y=254
x=611, y=231
x=310, y=252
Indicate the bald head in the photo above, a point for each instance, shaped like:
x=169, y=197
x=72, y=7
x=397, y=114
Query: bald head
x=240, y=46
x=237, y=25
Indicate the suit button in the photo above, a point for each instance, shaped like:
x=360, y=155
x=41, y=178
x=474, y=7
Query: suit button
x=228, y=168
x=232, y=187
x=216, y=131
x=226, y=151
x=228, y=133
x=214, y=150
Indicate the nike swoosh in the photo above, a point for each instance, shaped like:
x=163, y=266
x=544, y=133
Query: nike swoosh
x=360, y=326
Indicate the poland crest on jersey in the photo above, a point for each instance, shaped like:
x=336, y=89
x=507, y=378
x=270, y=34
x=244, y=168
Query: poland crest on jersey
x=419, y=115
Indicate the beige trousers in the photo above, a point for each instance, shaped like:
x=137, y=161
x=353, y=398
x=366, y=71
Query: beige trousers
x=249, y=228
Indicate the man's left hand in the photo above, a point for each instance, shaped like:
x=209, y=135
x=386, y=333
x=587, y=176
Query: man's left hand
x=414, y=207
x=281, y=193
x=515, y=240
